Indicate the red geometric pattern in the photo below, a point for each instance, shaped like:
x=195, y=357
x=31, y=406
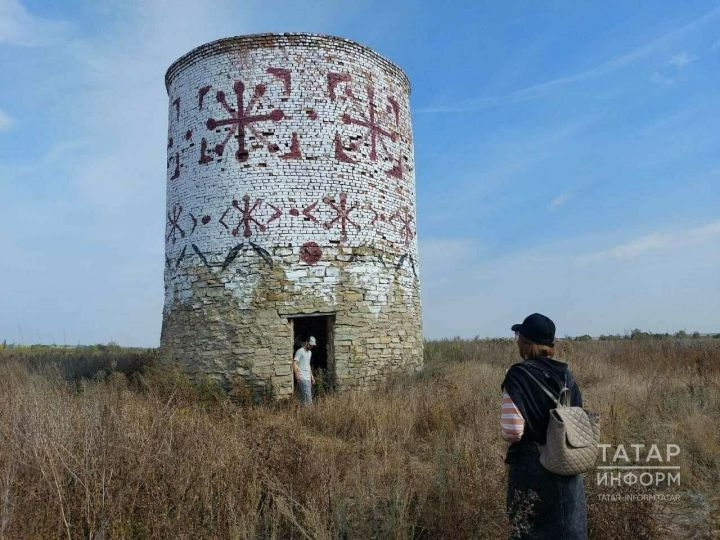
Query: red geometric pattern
x=249, y=220
x=202, y=92
x=284, y=75
x=244, y=117
x=310, y=253
x=176, y=160
x=402, y=220
x=375, y=130
x=366, y=117
x=174, y=224
x=240, y=120
x=406, y=220
x=248, y=216
x=294, y=152
x=376, y=215
x=204, y=220
x=205, y=157
x=380, y=127
x=342, y=215
x=276, y=214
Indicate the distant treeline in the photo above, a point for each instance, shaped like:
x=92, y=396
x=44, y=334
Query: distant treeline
x=634, y=334
x=75, y=363
x=640, y=334
x=114, y=348
x=81, y=361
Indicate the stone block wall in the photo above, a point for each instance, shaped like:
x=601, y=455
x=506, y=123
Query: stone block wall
x=290, y=190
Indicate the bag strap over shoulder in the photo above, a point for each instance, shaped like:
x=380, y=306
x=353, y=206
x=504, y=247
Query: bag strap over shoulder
x=564, y=392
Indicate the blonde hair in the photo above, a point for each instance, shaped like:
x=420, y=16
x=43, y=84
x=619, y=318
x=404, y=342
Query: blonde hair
x=530, y=349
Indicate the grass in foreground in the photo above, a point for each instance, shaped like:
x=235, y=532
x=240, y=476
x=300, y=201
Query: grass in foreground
x=149, y=455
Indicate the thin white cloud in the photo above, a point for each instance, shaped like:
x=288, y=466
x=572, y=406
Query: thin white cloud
x=536, y=90
x=662, y=80
x=654, y=242
x=435, y=262
x=101, y=188
x=55, y=155
x=19, y=27
x=484, y=295
x=561, y=200
x=514, y=157
x=5, y=121
x=681, y=60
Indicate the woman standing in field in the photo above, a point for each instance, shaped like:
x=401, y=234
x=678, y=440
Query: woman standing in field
x=540, y=504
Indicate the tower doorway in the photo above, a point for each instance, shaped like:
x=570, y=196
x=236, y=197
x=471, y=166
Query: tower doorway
x=322, y=362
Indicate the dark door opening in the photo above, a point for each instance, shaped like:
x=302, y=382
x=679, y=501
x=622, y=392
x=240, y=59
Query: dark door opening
x=322, y=360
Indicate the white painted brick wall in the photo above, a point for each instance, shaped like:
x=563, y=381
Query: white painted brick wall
x=325, y=123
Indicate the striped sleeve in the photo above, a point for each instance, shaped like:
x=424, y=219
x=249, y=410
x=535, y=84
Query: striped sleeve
x=511, y=421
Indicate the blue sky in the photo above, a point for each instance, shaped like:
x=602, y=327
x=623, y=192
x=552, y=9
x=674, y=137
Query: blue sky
x=567, y=153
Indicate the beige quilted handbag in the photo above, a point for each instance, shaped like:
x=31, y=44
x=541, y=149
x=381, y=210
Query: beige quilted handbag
x=572, y=437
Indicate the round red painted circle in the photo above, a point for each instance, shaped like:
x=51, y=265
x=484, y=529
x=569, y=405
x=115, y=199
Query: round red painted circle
x=310, y=253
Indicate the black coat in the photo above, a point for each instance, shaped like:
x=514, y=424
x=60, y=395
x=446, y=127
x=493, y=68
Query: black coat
x=557, y=503
x=533, y=403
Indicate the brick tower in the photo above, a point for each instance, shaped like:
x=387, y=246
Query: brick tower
x=290, y=212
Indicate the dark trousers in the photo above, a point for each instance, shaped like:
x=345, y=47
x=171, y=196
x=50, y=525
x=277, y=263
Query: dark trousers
x=542, y=504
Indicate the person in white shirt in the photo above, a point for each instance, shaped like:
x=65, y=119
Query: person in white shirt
x=302, y=370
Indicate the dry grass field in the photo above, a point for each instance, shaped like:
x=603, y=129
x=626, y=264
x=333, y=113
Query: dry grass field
x=137, y=451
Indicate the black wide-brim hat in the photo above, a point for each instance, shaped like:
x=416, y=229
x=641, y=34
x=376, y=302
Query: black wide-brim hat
x=536, y=328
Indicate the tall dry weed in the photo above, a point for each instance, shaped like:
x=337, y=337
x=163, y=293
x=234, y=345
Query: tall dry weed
x=147, y=454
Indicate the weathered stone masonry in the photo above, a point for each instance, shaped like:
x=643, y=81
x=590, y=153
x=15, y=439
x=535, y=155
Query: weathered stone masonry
x=290, y=190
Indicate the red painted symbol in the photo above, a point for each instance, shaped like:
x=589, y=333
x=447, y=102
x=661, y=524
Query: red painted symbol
x=406, y=220
x=247, y=216
x=204, y=156
x=310, y=253
x=375, y=214
x=307, y=212
x=243, y=120
x=276, y=214
x=174, y=224
x=282, y=74
x=204, y=220
x=333, y=80
x=201, y=95
x=342, y=215
x=374, y=128
x=340, y=154
x=294, y=152
x=176, y=174
x=239, y=119
x=373, y=121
